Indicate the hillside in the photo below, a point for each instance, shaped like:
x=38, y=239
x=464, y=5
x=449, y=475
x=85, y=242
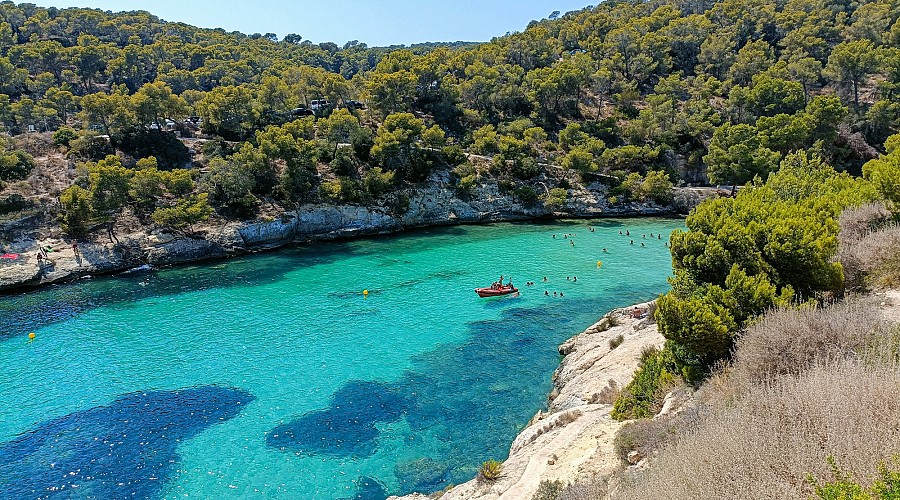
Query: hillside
x=172, y=123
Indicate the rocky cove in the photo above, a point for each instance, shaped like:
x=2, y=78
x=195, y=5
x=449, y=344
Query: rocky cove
x=573, y=440
x=433, y=204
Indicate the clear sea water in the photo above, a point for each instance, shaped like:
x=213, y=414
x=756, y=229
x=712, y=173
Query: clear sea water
x=273, y=376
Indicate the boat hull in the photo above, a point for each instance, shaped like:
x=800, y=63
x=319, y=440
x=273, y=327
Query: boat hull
x=495, y=292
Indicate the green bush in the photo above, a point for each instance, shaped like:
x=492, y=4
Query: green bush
x=556, y=198
x=491, y=470
x=187, y=212
x=643, y=396
x=526, y=194
x=168, y=149
x=844, y=487
x=64, y=135
x=77, y=210
x=14, y=203
x=770, y=245
x=453, y=155
x=466, y=185
x=15, y=165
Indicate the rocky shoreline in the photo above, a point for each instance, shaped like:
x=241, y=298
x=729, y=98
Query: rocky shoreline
x=573, y=440
x=433, y=205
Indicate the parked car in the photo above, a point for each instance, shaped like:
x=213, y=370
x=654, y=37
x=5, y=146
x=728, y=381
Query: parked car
x=319, y=104
x=301, y=111
x=354, y=104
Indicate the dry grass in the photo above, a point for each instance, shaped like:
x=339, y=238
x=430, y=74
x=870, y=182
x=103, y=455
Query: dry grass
x=616, y=341
x=608, y=394
x=869, y=248
x=858, y=222
x=789, y=341
x=764, y=444
x=589, y=489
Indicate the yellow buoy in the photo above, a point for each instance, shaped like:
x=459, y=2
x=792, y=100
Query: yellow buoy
x=366, y=293
x=31, y=336
x=599, y=263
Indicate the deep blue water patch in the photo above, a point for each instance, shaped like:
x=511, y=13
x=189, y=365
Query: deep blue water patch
x=458, y=395
x=126, y=449
x=347, y=426
x=368, y=488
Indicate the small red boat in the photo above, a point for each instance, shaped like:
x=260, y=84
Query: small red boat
x=496, y=291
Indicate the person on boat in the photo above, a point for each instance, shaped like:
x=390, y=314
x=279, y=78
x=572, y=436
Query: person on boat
x=574, y=279
x=627, y=233
x=545, y=279
x=561, y=294
x=604, y=250
x=546, y=293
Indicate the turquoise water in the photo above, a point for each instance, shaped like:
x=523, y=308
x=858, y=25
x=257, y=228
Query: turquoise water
x=273, y=376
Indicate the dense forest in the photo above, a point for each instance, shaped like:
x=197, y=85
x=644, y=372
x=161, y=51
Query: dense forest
x=635, y=94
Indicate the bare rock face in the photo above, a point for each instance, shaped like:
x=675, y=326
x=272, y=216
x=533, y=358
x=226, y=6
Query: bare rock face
x=435, y=202
x=17, y=274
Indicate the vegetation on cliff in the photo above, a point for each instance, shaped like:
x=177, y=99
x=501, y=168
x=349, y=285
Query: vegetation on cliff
x=678, y=92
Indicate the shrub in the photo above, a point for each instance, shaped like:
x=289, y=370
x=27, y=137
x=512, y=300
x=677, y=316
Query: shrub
x=843, y=487
x=764, y=443
x=14, y=203
x=64, y=135
x=791, y=341
x=556, y=198
x=15, y=165
x=608, y=395
x=616, y=341
x=377, y=182
x=491, y=470
x=168, y=149
x=466, y=185
x=548, y=490
x=187, y=212
x=588, y=489
x=90, y=147
x=454, y=155
x=643, y=396
x=77, y=210
x=526, y=194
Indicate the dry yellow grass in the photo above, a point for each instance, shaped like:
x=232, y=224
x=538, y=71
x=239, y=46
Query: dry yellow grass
x=763, y=444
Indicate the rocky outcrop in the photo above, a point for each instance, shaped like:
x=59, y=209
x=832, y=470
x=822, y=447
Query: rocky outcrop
x=433, y=203
x=573, y=440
